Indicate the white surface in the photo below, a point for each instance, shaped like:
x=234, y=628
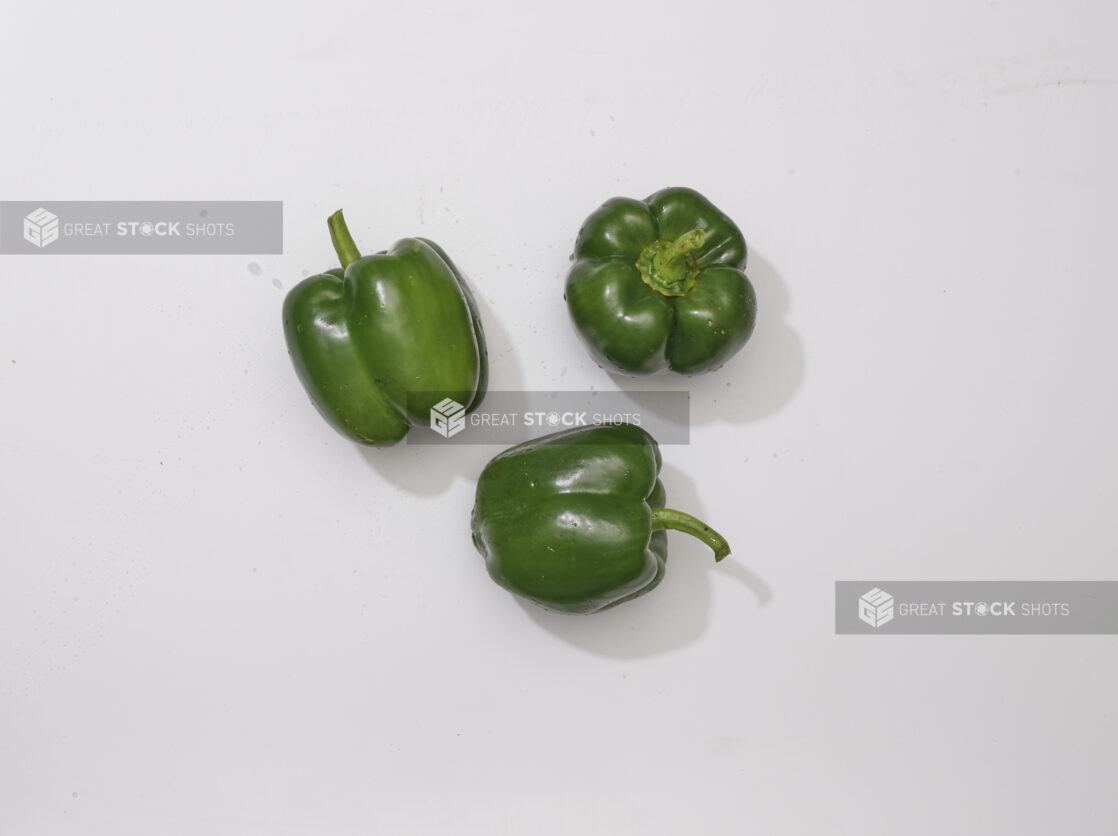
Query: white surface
x=218, y=617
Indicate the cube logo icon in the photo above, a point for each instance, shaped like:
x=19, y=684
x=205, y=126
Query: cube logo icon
x=448, y=418
x=876, y=607
x=40, y=227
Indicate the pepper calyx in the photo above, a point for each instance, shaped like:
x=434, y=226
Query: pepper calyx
x=669, y=267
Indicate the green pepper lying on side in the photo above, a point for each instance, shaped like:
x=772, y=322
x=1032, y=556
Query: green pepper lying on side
x=660, y=284
x=365, y=336
x=575, y=521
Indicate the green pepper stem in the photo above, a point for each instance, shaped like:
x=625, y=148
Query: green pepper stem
x=669, y=267
x=663, y=518
x=680, y=247
x=343, y=242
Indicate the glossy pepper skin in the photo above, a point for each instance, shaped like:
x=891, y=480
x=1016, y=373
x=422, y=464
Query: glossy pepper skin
x=365, y=336
x=660, y=284
x=575, y=521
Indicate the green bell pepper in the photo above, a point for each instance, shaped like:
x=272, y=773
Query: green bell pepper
x=380, y=341
x=575, y=521
x=660, y=284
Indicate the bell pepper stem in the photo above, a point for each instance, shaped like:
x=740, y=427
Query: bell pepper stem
x=669, y=267
x=680, y=247
x=344, y=245
x=663, y=518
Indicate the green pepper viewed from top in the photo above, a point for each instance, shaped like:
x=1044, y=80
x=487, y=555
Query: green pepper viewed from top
x=575, y=521
x=660, y=284
x=374, y=341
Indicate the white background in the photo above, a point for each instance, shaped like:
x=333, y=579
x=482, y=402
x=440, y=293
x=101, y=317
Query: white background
x=219, y=617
